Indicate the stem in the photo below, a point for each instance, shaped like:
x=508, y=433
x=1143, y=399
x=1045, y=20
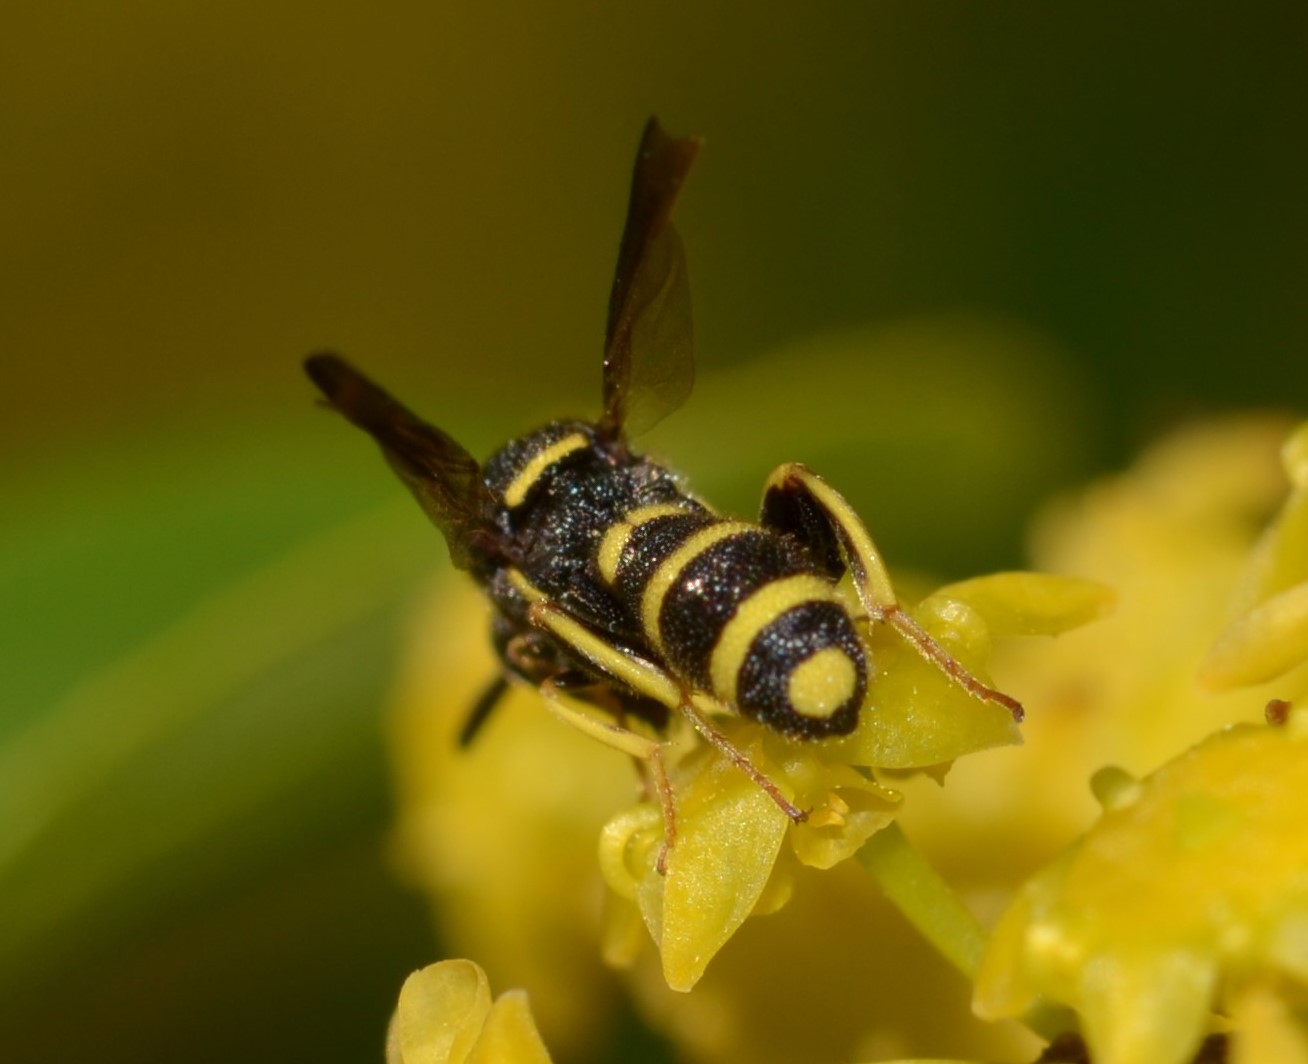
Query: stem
x=930, y=904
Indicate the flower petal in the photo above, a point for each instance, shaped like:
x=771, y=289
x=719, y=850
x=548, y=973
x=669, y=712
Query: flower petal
x=728, y=835
x=509, y=1035
x=1030, y=603
x=1193, y=883
x=1270, y=1032
x=915, y=715
x=1262, y=644
x=440, y=1014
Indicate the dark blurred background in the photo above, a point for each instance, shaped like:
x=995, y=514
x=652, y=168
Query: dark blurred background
x=958, y=256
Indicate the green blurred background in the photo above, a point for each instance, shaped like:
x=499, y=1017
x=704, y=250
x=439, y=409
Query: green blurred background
x=957, y=256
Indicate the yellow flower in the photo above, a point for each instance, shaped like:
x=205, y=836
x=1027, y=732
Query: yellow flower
x=735, y=852
x=1269, y=635
x=1172, y=537
x=445, y=1016
x=1189, y=897
x=503, y=835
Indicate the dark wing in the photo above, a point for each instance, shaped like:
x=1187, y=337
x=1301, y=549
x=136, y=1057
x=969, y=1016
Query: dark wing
x=444, y=478
x=649, y=362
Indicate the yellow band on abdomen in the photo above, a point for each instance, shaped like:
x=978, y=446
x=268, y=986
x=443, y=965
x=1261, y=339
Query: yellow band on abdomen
x=615, y=538
x=651, y=603
x=753, y=615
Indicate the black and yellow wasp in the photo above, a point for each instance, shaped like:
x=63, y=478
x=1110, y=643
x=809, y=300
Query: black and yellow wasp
x=608, y=579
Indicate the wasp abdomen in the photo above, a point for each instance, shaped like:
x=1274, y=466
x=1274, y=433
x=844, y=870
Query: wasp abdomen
x=737, y=610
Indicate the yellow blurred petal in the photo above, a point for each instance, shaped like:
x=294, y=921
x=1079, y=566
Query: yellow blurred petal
x=1012, y=974
x=440, y=1014
x=626, y=847
x=1269, y=635
x=728, y=835
x=1191, y=885
x=502, y=834
x=1150, y=1008
x=1270, y=1031
x=1263, y=644
x=1013, y=604
x=622, y=932
x=1294, y=456
x=509, y=1035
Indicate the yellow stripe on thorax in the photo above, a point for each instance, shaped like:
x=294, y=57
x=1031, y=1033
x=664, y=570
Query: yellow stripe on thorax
x=615, y=539
x=753, y=615
x=517, y=490
x=651, y=603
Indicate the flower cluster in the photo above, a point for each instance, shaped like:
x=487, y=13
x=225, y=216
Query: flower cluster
x=1189, y=897
x=1184, y=900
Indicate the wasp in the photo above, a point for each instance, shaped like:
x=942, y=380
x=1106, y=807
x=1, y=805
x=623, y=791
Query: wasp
x=609, y=580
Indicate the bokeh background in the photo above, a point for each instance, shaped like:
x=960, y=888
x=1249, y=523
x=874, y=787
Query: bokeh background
x=957, y=256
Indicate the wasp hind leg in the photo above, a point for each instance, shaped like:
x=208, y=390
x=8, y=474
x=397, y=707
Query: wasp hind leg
x=647, y=681
x=798, y=502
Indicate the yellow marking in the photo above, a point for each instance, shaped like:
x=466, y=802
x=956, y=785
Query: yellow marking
x=517, y=490
x=586, y=720
x=615, y=539
x=666, y=574
x=875, y=592
x=641, y=514
x=753, y=615
x=525, y=587
x=610, y=550
x=821, y=684
x=641, y=676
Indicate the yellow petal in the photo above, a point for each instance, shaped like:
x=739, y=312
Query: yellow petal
x=1013, y=604
x=916, y=716
x=1146, y=1008
x=509, y=1035
x=1192, y=884
x=1270, y=1032
x=440, y=1014
x=728, y=835
x=626, y=848
x=622, y=932
x=1261, y=645
x=1294, y=456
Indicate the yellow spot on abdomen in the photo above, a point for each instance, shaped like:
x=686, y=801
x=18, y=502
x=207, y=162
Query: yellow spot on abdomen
x=821, y=684
x=517, y=490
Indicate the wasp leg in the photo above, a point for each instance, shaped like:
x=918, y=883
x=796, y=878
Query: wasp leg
x=644, y=750
x=797, y=501
x=646, y=679
x=482, y=709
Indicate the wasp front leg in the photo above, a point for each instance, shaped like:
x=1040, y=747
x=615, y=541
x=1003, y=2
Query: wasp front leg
x=566, y=706
x=797, y=501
